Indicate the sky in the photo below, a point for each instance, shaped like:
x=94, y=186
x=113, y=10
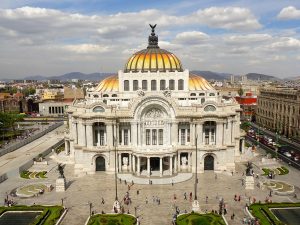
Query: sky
x=54, y=37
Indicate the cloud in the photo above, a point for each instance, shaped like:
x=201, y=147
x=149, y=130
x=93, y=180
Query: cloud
x=289, y=13
x=87, y=48
x=285, y=43
x=191, y=37
x=231, y=18
x=249, y=38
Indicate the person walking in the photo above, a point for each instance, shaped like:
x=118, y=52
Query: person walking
x=184, y=194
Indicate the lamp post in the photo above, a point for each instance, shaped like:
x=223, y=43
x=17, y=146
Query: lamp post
x=116, y=182
x=196, y=177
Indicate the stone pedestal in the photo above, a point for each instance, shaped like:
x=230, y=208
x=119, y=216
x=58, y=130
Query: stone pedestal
x=196, y=206
x=60, y=185
x=249, y=183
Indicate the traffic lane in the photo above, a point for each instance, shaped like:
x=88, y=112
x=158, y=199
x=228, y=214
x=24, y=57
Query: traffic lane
x=279, y=155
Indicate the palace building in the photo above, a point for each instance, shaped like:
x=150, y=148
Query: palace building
x=151, y=118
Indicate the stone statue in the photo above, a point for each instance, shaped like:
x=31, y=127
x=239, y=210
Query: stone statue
x=60, y=169
x=153, y=27
x=125, y=161
x=248, y=169
x=184, y=160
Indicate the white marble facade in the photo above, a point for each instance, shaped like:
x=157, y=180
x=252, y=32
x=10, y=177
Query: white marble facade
x=149, y=121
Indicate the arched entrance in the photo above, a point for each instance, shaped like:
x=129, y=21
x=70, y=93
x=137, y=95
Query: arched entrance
x=209, y=162
x=100, y=163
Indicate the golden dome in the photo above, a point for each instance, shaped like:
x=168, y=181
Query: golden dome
x=153, y=58
x=109, y=84
x=198, y=83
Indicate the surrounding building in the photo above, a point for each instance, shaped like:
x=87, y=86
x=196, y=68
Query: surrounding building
x=12, y=103
x=153, y=115
x=278, y=109
x=248, y=104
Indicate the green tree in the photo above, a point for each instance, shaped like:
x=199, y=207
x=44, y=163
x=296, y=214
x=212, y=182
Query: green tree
x=241, y=91
x=8, y=122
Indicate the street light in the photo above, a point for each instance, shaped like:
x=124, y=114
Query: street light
x=196, y=178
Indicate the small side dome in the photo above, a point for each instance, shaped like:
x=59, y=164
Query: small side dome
x=109, y=84
x=198, y=83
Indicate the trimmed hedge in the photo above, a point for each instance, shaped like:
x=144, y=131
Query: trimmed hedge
x=203, y=219
x=112, y=219
x=26, y=174
x=265, y=216
x=49, y=215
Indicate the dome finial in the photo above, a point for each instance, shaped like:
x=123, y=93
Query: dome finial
x=153, y=39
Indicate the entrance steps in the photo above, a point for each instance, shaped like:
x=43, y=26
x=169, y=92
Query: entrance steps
x=180, y=177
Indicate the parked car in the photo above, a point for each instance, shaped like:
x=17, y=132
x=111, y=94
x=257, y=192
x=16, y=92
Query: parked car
x=287, y=154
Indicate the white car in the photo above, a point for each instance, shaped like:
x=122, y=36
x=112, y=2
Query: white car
x=287, y=154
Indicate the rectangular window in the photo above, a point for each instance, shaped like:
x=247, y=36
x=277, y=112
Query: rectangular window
x=126, y=85
x=153, y=85
x=135, y=85
x=101, y=137
x=162, y=85
x=154, y=137
x=160, y=137
x=206, y=137
x=125, y=137
x=188, y=135
x=144, y=85
x=147, y=137
x=171, y=84
x=95, y=137
x=182, y=136
x=212, y=136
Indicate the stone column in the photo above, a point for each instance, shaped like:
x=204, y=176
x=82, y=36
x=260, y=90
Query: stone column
x=66, y=147
x=98, y=139
x=199, y=132
x=192, y=134
x=178, y=162
x=175, y=164
x=219, y=133
x=109, y=135
x=133, y=134
x=148, y=166
x=120, y=162
x=139, y=135
x=160, y=167
x=80, y=129
x=130, y=164
x=174, y=134
x=171, y=165
x=139, y=165
x=189, y=161
x=133, y=164
x=89, y=135
x=122, y=133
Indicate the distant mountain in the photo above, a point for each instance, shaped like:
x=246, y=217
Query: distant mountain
x=209, y=75
x=72, y=75
x=258, y=76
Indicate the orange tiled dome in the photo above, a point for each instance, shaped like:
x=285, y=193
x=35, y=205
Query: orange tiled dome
x=109, y=84
x=153, y=59
x=198, y=83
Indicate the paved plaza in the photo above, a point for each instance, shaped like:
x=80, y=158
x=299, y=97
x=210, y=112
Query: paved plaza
x=92, y=188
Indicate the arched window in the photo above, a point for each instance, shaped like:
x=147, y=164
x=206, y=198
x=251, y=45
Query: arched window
x=211, y=94
x=126, y=85
x=171, y=84
x=162, y=85
x=114, y=95
x=96, y=96
x=193, y=94
x=180, y=84
x=98, y=109
x=144, y=85
x=201, y=94
x=135, y=85
x=209, y=108
x=105, y=95
x=153, y=85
